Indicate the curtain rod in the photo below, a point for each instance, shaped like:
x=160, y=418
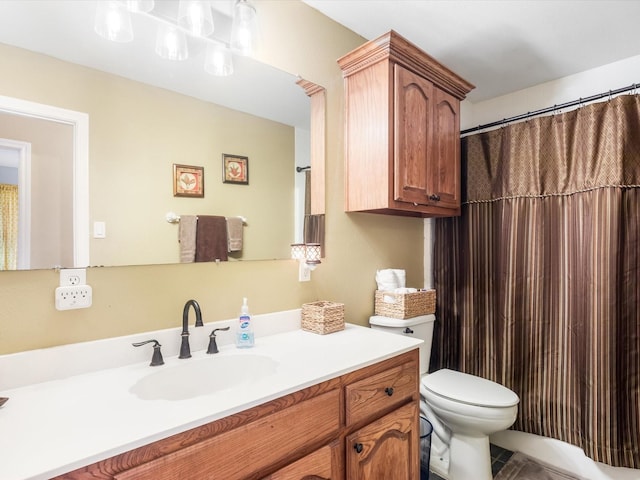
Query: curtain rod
x=573, y=103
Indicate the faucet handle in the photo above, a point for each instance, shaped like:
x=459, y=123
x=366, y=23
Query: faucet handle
x=156, y=359
x=213, y=346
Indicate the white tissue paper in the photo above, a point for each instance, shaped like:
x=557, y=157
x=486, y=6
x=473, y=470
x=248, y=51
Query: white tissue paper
x=390, y=279
x=392, y=299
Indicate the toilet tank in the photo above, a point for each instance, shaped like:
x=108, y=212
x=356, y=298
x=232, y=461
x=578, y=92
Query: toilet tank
x=418, y=327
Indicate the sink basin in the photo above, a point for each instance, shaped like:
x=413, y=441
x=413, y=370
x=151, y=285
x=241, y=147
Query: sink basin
x=203, y=376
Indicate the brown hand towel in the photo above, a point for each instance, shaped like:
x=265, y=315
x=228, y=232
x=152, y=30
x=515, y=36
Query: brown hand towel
x=187, y=238
x=211, y=239
x=234, y=233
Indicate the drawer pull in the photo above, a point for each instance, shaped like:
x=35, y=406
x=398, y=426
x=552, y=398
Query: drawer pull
x=408, y=331
x=434, y=197
x=388, y=391
x=358, y=447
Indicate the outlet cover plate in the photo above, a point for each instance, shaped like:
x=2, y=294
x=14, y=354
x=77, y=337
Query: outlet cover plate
x=73, y=296
x=73, y=276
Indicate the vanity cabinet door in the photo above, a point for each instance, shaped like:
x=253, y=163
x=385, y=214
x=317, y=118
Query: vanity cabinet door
x=323, y=464
x=387, y=448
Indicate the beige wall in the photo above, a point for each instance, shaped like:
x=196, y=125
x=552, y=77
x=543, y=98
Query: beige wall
x=135, y=299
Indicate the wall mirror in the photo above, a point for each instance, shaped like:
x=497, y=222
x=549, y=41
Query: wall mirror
x=144, y=114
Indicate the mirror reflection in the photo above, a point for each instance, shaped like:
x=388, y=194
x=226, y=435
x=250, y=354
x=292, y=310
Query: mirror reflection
x=145, y=115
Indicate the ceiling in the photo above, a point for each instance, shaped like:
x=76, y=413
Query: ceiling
x=501, y=46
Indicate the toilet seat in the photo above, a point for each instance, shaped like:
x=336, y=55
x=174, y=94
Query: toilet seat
x=469, y=389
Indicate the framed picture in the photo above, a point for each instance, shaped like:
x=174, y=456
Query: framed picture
x=188, y=181
x=235, y=169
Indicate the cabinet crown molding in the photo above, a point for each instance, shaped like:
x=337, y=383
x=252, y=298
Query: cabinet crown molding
x=394, y=47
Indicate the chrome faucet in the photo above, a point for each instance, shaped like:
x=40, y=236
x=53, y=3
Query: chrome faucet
x=185, y=351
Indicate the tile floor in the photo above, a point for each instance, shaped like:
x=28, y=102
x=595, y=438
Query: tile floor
x=499, y=457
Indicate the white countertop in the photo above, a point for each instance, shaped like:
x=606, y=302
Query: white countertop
x=56, y=426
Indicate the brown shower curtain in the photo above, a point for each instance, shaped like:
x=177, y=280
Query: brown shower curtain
x=539, y=279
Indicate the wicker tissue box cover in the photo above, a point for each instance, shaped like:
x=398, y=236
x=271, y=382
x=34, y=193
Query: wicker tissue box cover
x=323, y=317
x=405, y=305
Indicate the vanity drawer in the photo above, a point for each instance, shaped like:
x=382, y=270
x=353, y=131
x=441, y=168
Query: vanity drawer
x=249, y=449
x=380, y=392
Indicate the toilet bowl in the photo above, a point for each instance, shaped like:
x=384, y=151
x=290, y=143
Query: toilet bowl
x=472, y=408
x=463, y=409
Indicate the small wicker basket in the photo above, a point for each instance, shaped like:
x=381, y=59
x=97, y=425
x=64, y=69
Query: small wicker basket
x=323, y=317
x=405, y=305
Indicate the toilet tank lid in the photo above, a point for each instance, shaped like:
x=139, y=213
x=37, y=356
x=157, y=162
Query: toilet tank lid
x=470, y=389
x=382, y=321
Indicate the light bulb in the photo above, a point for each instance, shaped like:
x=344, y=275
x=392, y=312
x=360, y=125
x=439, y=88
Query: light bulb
x=218, y=60
x=113, y=22
x=171, y=42
x=196, y=17
x=244, y=29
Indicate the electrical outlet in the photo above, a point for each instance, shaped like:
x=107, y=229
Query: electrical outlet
x=73, y=276
x=304, y=272
x=73, y=296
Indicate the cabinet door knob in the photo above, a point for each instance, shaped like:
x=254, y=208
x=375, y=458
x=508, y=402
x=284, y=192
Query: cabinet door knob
x=434, y=197
x=388, y=391
x=358, y=447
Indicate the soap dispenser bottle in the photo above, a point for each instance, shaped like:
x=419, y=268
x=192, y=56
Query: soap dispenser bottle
x=244, y=334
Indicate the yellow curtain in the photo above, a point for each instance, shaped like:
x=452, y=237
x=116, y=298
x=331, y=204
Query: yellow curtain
x=8, y=227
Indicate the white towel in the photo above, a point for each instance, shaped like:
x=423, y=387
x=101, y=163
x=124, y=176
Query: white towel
x=390, y=279
x=234, y=233
x=187, y=238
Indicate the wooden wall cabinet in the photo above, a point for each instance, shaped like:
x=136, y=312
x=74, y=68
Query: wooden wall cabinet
x=363, y=425
x=402, y=130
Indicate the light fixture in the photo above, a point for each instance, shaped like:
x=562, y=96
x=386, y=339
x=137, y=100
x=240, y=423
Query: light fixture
x=140, y=6
x=298, y=251
x=196, y=17
x=244, y=29
x=308, y=256
x=218, y=60
x=313, y=253
x=113, y=21
x=171, y=42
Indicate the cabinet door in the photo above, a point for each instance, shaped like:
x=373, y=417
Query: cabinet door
x=413, y=136
x=323, y=464
x=387, y=448
x=443, y=171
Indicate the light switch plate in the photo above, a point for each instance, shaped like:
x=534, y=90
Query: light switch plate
x=99, y=230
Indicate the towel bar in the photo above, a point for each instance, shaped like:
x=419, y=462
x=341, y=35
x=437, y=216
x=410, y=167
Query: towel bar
x=175, y=218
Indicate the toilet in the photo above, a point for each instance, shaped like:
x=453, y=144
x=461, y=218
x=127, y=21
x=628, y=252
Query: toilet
x=463, y=409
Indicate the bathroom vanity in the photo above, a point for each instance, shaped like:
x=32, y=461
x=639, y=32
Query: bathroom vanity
x=338, y=406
